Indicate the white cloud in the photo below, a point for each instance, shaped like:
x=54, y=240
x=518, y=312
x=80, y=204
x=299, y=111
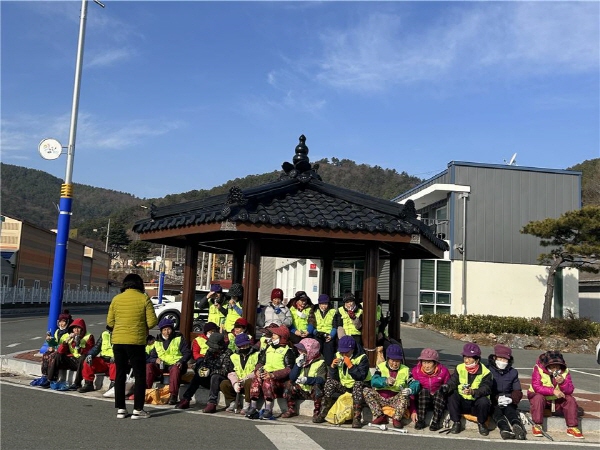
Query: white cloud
x=109, y=57
x=501, y=40
x=22, y=134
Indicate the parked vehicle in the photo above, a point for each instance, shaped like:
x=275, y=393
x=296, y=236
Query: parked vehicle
x=172, y=310
x=164, y=299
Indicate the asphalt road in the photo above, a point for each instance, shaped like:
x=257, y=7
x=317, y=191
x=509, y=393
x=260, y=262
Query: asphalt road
x=34, y=418
x=26, y=331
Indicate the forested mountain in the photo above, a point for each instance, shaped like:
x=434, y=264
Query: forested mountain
x=590, y=181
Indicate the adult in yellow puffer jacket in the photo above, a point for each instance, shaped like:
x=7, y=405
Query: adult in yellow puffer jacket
x=131, y=316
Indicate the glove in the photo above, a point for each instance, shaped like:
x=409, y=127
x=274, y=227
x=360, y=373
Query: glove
x=504, y=400
x=301, y=380
x=300, y=360
x=444, y=389
x=204, y=372
x=406, y=392
x=88, y=360
x=237, y=387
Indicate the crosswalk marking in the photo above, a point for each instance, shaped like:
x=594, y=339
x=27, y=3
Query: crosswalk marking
x=287, y=437
x=14, y=345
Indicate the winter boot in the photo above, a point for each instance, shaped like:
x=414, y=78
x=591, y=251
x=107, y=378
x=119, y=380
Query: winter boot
x=88, y=386
x=325, y=407
x=505, y=431
x=291, y=410
x=519, y=431
x=316, y=410
x=356, y=420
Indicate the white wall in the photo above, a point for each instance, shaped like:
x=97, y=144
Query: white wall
x=508, y=289
x=292, y=276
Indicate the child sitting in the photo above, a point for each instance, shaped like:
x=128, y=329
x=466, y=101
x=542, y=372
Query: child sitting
x=551, y=386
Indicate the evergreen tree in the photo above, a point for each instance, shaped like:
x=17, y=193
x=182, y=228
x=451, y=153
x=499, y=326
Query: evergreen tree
x=574, y=239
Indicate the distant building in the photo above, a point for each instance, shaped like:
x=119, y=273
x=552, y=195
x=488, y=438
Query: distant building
x=29, y=252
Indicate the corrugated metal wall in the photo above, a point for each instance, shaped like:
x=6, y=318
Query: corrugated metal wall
x=502, y=201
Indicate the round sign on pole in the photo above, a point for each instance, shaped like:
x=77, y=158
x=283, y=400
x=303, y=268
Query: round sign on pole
x=50, y=148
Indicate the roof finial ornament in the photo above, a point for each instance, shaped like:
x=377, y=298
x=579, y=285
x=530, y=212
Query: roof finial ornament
x=301, y=167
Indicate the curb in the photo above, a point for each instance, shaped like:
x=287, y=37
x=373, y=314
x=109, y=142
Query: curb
x=8, y=363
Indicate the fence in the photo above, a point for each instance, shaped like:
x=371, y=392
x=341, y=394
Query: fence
x=32, y=296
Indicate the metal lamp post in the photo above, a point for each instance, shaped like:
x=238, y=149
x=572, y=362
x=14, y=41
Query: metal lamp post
x=50, y=151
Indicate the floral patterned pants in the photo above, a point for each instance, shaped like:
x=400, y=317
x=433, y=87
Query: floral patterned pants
x=269, y=388
x=335, y=387
x=376, y=402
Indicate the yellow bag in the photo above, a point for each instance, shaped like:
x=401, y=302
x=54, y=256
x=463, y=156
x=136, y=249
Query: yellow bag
x=158, y=396
x=341, y=411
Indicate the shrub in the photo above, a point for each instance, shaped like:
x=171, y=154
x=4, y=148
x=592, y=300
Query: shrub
x=572, y=328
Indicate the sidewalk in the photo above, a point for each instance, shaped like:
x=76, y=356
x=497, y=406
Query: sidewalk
x=27, y=365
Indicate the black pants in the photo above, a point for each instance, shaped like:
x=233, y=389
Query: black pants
x=212, y=383
x=479, y=407
x=327, y=349
x=505, y=415
x=61, y=361
x=126, y=354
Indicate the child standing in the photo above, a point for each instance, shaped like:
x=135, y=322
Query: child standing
x=506, y=393
x=552, y=386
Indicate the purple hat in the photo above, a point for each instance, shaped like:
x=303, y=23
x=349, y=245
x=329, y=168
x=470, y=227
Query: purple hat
x=502, y=351
x=166, y=323
x=471, y=349
x=429, y=354
x=323, y=298
x=394, y=351
x=346, y=344
x=242, y=339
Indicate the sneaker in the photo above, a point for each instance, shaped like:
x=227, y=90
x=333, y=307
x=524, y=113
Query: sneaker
x=482, y=429
x=252, y=413
x=267, y=414
x=210, y=408
x=435, y=426
x=87, y=387
x=507, y=434
x=575, y=432
x=183, y=404
x=122, y=413
x=73, y=387
x=231, y=407
x=519, y=432
x=381, y=420
x=245, y=408
x=536, y=430
x=140, y=414
x=420, y=425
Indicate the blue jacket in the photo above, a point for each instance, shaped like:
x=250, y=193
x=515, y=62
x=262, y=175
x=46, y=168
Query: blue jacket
x=505, y=381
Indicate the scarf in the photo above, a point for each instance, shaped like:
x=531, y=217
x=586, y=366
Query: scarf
x=472, y=370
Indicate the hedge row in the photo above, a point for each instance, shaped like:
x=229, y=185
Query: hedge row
x=573, y=328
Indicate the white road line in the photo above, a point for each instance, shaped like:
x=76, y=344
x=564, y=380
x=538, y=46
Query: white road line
x=585, y=373
x=35, y=338
x=288, y=437
x=13, y=345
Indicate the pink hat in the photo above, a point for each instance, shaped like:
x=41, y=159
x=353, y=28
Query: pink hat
x=429, y=354
x=502, y=351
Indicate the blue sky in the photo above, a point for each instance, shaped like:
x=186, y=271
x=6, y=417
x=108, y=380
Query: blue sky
x=178, y=96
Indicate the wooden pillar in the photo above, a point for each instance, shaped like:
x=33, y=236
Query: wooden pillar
x=252, y=272
x=326, y=275
x=395, y=295
x=237, y=271
x=369, y=329
x=189, y=289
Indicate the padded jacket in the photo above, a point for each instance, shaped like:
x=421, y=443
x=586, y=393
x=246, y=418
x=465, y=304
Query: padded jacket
x=131, y=315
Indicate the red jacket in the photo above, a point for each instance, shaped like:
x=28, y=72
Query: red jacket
x=85, y=345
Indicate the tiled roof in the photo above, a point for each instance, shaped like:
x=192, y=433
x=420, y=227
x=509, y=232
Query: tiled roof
x=298, y=199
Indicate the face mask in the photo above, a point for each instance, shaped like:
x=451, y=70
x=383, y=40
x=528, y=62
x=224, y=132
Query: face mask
x=470, y=366
x=244, y=351
x=501, y=364
x=275, y=342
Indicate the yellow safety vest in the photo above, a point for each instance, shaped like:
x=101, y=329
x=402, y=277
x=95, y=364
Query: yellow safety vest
x=231, y=317
x=547, y=382
x=299, y=323
x=202, y=343
x=463, y=378
x=215, y=315
x=82, y=344
x=172, y=354
x=348, y=326
x=345, y=378
x=401, y=377
x=106, y=348
x=311, y=371
x=248, y=368
x=325, y=323
x=149, y=348
x=274, y=358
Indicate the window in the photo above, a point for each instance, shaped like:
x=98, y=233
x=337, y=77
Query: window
x=4, y=280
x=36, y=284
x=434, y=287
x=20, y=283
